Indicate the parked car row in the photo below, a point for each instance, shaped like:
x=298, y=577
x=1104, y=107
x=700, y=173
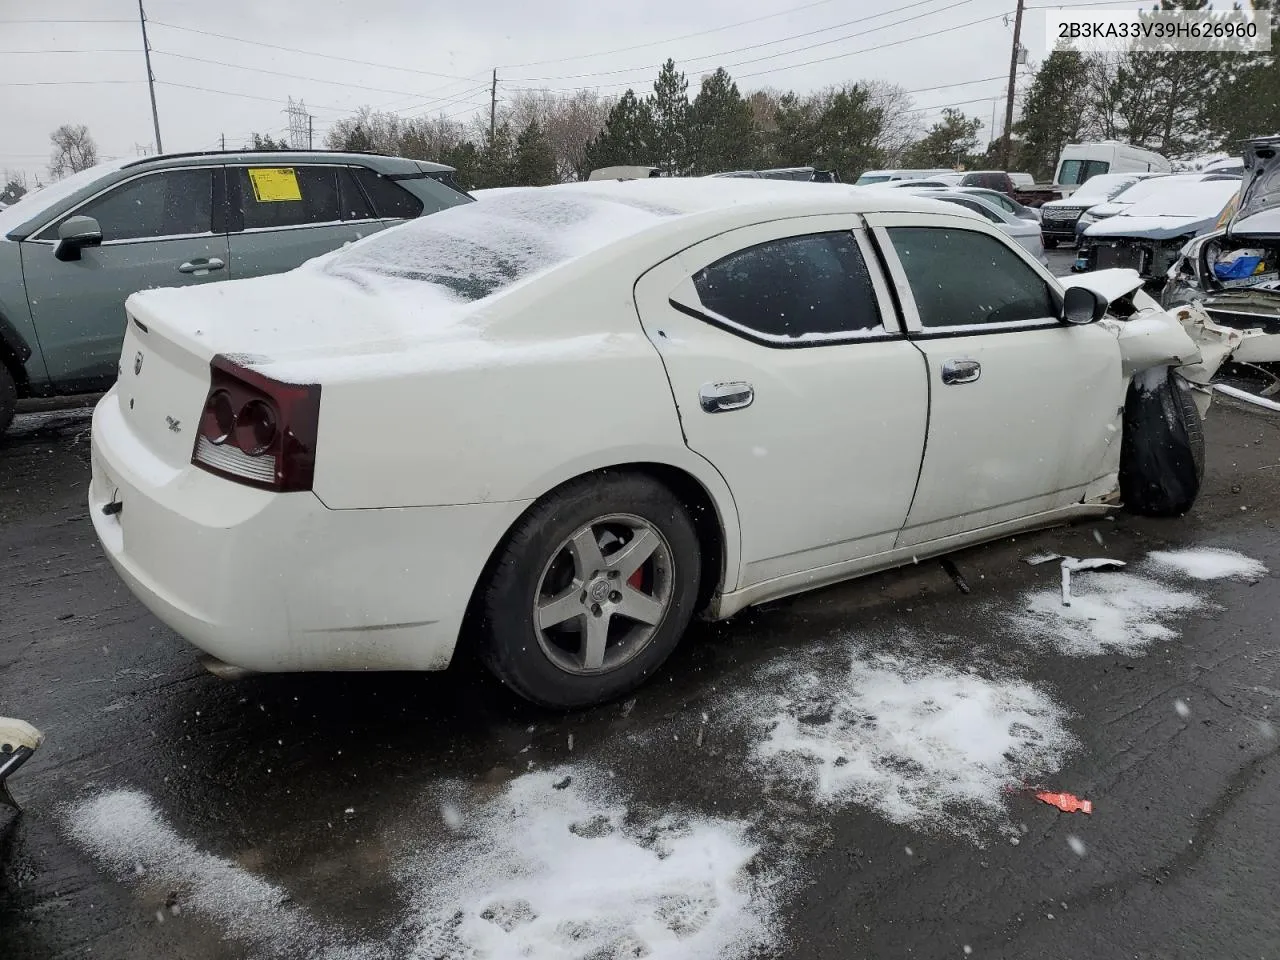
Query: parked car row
x=72, y=252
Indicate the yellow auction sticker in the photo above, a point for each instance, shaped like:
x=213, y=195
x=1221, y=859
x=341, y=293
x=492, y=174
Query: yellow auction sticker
x=274, y=184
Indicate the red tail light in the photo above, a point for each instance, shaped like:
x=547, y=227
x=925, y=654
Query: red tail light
x=256, y=430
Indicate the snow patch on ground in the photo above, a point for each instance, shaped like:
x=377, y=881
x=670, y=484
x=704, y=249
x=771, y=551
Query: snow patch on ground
x=1109, y=613
x=125, y=832
x=919, y=742
x=1209, y=563
x=550, y=869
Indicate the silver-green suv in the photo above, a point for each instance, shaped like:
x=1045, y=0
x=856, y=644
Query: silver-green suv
x=72, y=252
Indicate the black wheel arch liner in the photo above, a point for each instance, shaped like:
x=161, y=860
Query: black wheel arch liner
x=14, y=352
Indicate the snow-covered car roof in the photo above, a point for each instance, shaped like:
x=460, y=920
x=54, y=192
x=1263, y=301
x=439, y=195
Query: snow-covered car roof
x=474, y=250
x=1172, y=211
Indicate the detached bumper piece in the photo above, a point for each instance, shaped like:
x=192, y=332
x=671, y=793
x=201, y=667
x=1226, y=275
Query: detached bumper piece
x=18, y=742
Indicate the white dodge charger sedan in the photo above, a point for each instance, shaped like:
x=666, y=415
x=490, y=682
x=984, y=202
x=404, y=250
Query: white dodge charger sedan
x=560, y=423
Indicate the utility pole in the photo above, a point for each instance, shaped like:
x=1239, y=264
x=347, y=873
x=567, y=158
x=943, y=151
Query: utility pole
x=310, y=130
x=1013, y=79
x=222, y=141
x=493, y=103
x=151, y=77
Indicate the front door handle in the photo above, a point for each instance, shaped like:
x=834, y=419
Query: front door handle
x=723, y=397
x=201, y=265
x=961, y=371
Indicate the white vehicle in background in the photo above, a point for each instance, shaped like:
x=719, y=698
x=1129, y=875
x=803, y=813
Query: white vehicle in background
x=1234, y=273
x=1059, y=217
x=624, y=173
x=1024, y=232
x=1079, y=162
x=1148, y=235
x=870, y=177
x=1022, y=180
x=557, y=424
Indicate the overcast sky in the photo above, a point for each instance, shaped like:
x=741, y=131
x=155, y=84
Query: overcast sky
x=436, y=57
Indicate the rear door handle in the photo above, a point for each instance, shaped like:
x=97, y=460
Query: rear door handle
x=202, y=264
x=961, y=371
x=723, y=397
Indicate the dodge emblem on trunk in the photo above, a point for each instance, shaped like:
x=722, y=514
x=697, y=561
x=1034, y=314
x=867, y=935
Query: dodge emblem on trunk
x=137, y=364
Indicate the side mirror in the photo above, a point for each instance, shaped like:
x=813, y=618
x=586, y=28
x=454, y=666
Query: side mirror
x=1081, y=305
x=74, y=234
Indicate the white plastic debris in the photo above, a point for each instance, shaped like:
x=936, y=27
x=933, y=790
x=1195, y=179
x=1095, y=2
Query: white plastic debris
x=1071, y=565
x=1182, y=709
x=1076, y=844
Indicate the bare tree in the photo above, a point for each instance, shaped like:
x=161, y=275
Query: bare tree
x=569, y=122
x=73, y=150
x=900, y=123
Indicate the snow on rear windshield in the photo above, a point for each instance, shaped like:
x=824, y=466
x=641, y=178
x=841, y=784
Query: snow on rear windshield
x=476, y=249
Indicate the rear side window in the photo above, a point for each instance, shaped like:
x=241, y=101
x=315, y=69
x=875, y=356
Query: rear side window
x=962, y=278
x=812, y=285
x=390, y=200
x=298, y=196
x=168, y=204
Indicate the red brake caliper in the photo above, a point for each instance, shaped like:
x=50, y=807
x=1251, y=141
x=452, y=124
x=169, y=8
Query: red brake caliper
x=636, y=580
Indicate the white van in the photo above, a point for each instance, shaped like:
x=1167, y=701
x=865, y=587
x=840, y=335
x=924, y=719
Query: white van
x=1080, y=161
x=624, y=173
x=886, y=176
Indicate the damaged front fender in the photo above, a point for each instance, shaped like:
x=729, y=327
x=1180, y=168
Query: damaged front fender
x=1149, y=336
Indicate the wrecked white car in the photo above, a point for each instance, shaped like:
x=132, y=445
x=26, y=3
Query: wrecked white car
x=1148, y=235
x=561, y=422
x=1234, y=274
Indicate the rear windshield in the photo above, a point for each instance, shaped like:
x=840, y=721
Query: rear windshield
x=476, y=249
x=863, y=180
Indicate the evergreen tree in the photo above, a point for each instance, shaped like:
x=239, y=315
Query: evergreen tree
x=951, y=142
x=848, y=134
x=1052, y=112
x=496, y=167
x=627, y=138
x=670, y=110
x=721, y=132
x=534, y=163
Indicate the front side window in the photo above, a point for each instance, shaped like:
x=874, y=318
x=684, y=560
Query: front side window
x=962, y=278
x=812, y=285
x=298, y=196
x=168, y=204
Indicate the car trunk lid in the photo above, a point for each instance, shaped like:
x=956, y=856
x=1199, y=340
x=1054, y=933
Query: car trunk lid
x=174, y=334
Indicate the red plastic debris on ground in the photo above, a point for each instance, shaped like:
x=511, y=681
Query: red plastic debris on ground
x=1066, y=802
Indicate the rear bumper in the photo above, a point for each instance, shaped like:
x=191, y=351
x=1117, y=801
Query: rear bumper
x=279, y=582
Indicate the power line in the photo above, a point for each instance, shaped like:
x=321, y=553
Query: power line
x=657, y=43
x=841, y=56
x=61, y=83
x=309, y=53
x=66, y=21
x=87, y=50
x=797, y=36
x=246, y=96
x=281, y=73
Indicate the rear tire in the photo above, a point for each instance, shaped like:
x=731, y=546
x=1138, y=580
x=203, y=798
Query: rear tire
x=1162, y=452
x=8, y=399
x=557, y=622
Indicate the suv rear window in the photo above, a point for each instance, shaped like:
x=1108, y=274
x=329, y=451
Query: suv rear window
x=1078, y=171
x=393, y=202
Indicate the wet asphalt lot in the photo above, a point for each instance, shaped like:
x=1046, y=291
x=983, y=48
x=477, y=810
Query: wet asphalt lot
x=320, y=784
